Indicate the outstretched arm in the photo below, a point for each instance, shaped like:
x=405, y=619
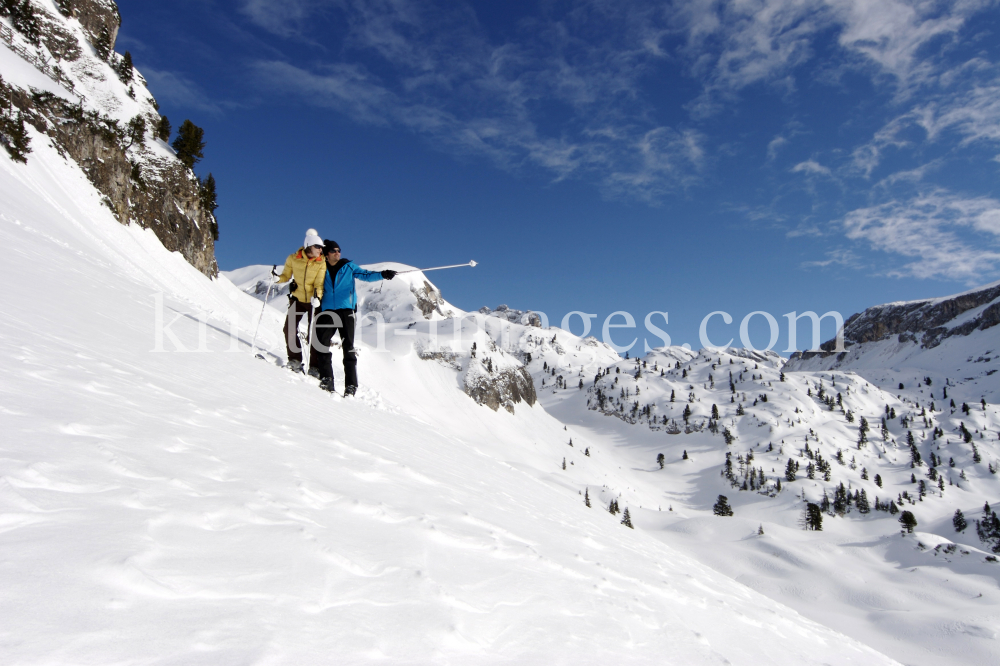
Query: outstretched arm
x=366, y=275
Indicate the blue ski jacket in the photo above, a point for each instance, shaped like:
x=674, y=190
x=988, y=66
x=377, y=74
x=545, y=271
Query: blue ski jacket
x=338, y=285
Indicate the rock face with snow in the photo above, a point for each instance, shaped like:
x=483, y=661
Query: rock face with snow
x=926, y=323
x=87, y=114
x=951, y=341
x=526, y=317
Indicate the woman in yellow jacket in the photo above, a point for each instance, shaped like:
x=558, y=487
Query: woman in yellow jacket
x=306, y=268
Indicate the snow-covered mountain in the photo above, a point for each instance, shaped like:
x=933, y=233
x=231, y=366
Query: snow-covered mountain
x=954, y=341
x=60, y=77
x=165, y=497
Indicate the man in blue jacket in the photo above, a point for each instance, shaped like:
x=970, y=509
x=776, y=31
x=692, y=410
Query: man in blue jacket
x=337, y=310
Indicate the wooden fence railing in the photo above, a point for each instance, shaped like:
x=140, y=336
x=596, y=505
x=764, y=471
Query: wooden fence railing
x=54, y=73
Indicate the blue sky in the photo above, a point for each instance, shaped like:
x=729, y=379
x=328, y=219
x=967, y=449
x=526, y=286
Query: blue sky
x=687, y=156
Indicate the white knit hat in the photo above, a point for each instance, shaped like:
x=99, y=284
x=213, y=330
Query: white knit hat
x=312, y=238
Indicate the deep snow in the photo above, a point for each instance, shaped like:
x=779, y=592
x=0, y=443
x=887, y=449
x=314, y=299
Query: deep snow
x=207, y=507
x=164, y=506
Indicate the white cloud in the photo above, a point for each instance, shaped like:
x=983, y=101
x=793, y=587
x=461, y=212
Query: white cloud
x=284, y=18
x=178, y=89
x=812, y=168
x=439, y=76
x=432, y=68
x=732, y=45
x=776, y=144
x=840, y=256
x=950, y=236
x=969, y=108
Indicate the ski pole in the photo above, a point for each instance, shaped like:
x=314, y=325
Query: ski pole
x=253, y=345
x=436, y=268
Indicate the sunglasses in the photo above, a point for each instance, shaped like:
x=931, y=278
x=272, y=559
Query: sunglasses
x=333, y=251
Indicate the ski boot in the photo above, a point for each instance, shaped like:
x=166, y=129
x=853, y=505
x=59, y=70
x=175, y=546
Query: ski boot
x=349, y=391
x=314, y=373
x=326, y=383
x=294, y=366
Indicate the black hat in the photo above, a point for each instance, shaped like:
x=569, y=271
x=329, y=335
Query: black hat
x=330, y=246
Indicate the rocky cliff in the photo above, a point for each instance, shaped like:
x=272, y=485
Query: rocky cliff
x=951, y=327
x=927, y=322
x=99, y=113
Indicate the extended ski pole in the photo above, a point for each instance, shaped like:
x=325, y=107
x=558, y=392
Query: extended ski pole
x=436, y=268
x=253, y=345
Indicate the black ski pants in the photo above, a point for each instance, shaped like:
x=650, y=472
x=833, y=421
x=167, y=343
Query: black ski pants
x=296, y=311
x=329, y=322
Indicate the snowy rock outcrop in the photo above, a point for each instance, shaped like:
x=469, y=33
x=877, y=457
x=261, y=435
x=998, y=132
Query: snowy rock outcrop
x=927, y=322
x=526, y=317
x=97, y=112
x=500, y=388
x=954, y=339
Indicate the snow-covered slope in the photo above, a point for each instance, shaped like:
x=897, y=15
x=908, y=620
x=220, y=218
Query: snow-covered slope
x=167, y=498
x=926, y=598
x=207, y=507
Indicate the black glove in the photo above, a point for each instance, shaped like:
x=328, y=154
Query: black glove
x=388, y=275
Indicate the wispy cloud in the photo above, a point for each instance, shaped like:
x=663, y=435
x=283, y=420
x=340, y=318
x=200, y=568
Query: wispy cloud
x=812, y=168
x=567, y=89
x=178, y=89
x=439, y=76
x=733, y=45
x=839, y=256
x=949, y=236
x=776, y=144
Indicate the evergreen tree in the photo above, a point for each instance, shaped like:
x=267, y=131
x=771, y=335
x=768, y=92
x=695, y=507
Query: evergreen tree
x=722, y=507
x=135, y=132
x=627, y=519
x=988, y=530
x=564, y=463
x=125, y=68
x=189, y=144
x=840, y=500
x=893, y=509
x=163, y=129
x=715, y=412
x=862, y=502
x=959, y=521
x=14, y=137
x=103, y=45
x=878, y=480
x=908, y=520
x=790, y=470
x=586, y=497
x=684, y=456
x=728, y=436
x=814, y=517
x=660, y=459
x=24, y=19
x=687, y=413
